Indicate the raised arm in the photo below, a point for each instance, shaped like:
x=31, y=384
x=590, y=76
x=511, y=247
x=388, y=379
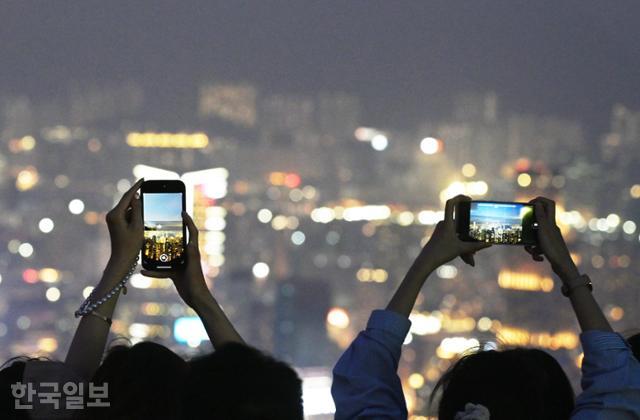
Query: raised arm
x=126, y=234
x=193, y=290
x=610, y=373
x=443, y=247
x=365, y=379
x=552, y=245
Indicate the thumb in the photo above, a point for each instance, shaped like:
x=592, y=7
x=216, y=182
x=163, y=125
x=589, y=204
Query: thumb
x=468, y=258
x=473, y=247
x=470, y=248
x=192, y=250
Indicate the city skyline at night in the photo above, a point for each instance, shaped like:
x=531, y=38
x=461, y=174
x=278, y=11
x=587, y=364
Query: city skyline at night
x=318, y=146
x=274, y=220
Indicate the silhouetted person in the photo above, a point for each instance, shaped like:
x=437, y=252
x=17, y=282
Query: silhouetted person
x=11, y=373
x=512, y=384
x=496, y=385
x=145, y=382
x=238, y=382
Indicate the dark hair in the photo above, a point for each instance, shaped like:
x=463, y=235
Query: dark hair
x=516, y=383
x=11, y=372
x=634, y=342
x=238, y=382
x=145, y=381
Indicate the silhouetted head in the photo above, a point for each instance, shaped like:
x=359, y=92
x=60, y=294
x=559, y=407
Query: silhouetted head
x=513, y=384
x=238, y=382
x=10, y=373
x=145, y=381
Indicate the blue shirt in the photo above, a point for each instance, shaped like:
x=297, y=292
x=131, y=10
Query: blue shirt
x=366, y=383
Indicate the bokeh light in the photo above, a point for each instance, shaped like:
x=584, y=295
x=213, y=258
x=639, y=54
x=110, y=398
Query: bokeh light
x=76, y=206
x=524, y=180
x=260, y=270
x=46, y=225
x=338, y=317
x=379, y=142
x=430, y=145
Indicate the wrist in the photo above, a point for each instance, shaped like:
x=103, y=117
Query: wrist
x=571, y=287
x=117, y=268
x=115, y=271
x=119, y=261
x=567, y=273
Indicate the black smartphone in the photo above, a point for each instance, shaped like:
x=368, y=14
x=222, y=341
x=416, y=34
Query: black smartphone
x=163, y=202
x=496, y=222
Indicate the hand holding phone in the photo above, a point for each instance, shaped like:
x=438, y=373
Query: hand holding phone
x=496, y=222
x=444, y=245
x=193, y=290
x=189, y=281
x=124, y=222
x=163, y=202
x=550, y=242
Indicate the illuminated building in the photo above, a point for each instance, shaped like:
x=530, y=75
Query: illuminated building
x=96, y=103
x=232, y=102
x=168, y=140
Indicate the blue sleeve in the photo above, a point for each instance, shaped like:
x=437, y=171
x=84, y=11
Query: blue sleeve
x=610, y=379
x=365, y=379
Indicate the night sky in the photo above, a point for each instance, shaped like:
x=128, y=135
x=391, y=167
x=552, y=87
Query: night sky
x=404, y=59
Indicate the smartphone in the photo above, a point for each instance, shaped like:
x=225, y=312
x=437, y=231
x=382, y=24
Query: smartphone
x=163, y=202
x=496, y=222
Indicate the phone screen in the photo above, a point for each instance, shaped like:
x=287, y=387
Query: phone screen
x=501, y=223
x=163, y=229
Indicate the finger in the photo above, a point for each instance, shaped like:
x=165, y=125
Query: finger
x=157, y=274
x=125, y=201
x=549, y=207
x=541, y=215
x=535, y=252
x=451, y=205
x=533, y=249
x=473, y=247
x=191, y=227
x=136, y=211
x=468, y=258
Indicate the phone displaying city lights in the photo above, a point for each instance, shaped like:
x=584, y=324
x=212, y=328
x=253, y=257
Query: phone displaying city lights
x=163, y=202
x=496, y=222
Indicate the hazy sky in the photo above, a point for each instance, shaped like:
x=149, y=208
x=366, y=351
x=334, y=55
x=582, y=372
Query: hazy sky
x=498, y=211
x=405, y=59
x=162, y=207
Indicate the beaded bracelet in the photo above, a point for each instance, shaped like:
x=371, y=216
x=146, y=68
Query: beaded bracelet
x=89, y=305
